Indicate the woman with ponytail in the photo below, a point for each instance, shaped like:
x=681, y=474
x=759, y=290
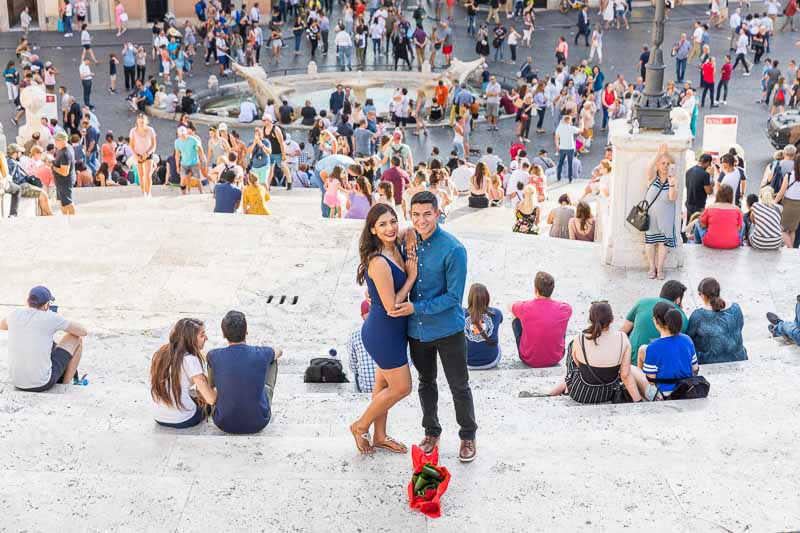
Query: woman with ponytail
x=176, y=367
x=668, y=358
x=716, y=329
x=599, y=358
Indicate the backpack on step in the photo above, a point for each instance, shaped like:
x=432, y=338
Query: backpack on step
x=325, y=370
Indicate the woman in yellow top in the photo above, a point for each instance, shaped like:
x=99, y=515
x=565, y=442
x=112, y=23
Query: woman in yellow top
x=255, y=197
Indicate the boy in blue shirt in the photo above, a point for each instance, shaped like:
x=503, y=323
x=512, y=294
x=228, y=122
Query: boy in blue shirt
x=226, y=197
x=245, y=378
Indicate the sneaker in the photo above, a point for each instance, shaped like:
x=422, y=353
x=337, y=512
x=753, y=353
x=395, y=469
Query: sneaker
x=746, y=74
x=428, y=444
x=466, y=454
x=771, y=329
x=773, y=318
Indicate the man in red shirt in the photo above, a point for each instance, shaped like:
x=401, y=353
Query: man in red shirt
x=789, y=12
x=707, y=77
x=398, y=178
x=540, y=325
x=724, y=77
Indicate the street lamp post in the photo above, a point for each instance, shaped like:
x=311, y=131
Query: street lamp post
x=651, y=110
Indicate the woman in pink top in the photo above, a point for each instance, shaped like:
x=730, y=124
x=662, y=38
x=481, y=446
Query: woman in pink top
x=143, y=144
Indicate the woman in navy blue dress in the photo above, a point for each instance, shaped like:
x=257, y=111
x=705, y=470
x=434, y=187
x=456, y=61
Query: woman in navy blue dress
x=389, y=278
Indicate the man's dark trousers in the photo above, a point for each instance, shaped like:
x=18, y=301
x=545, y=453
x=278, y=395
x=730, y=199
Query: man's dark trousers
x=452, y=351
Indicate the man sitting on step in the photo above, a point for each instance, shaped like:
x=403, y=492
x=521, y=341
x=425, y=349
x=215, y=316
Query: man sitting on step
x=245, y=378
x=361, y=363
x=36, y=362
x=787, y=329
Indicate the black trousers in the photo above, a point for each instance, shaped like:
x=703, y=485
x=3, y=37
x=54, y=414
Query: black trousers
x=585, y=33
x=740, y=57
x=452, y=351
x=707, y=88
x=130, y=77
x=140, y=71
x=723, y=84
x=540, y=111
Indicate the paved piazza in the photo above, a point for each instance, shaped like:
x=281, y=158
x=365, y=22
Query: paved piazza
x=79, y=459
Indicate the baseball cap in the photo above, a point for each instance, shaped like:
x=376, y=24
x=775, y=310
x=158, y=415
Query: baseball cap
x=223, y=127
x=705, y=158
x=40, y=295
x=61, y=136
x=13, y=147
x=182, y=130
x=397, y=133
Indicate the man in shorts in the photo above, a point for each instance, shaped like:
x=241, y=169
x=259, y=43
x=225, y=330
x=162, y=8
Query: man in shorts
x=64, y=173
x=36, y=362
x=493, y=90
x=188, y=158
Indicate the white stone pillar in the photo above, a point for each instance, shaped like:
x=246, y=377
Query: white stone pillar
x=623, y=245
x=2, y=140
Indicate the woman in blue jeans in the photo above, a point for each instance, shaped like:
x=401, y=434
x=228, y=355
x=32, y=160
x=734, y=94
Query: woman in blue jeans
x=175, y=367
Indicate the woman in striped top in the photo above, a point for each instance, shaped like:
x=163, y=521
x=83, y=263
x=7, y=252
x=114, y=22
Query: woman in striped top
x=765, y=215
x=661, y=194
x=597, y=360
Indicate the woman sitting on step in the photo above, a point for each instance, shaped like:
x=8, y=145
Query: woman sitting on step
x=597, y=360
x=176, y=367
x=482, y=328
x=715, y=330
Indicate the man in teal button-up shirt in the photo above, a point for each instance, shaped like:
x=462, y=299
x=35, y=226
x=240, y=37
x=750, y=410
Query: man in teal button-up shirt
x=436, y=322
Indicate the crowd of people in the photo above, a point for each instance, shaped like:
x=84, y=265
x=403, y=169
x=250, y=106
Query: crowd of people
x=575, y=96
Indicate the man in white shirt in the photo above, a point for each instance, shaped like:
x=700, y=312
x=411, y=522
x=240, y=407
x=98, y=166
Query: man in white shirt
x=565, y=142
x=344, y=47
x=734, y=22
x=461, y=176
x=697, y=40
x=493, y=102
x=36, y=363
x=247, y=112
x=255, y=14
x=86, y=75
x=521, y=175
x=490, y=159
x=230, y=164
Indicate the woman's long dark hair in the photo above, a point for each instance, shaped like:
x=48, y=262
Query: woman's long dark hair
x=481, y=172
x=600, y=317
x=167, y=363
x=370, y=245
x=583, y=213
x=477, y=306
x=709, y=287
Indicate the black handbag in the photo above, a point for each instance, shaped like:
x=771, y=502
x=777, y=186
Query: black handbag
x=687, y=388
x=639, y=217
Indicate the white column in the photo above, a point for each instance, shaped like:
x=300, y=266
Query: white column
x=623, y=245
x=2, y=140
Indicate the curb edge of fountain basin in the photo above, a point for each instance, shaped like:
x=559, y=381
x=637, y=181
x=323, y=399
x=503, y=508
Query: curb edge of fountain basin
x=207, y=119
x=214, y=120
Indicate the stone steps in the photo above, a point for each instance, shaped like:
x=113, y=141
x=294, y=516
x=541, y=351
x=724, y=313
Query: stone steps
x=128, y=268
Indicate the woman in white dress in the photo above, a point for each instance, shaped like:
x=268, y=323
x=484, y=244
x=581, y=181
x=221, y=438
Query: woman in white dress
x=608, y=12
x=598, y=191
